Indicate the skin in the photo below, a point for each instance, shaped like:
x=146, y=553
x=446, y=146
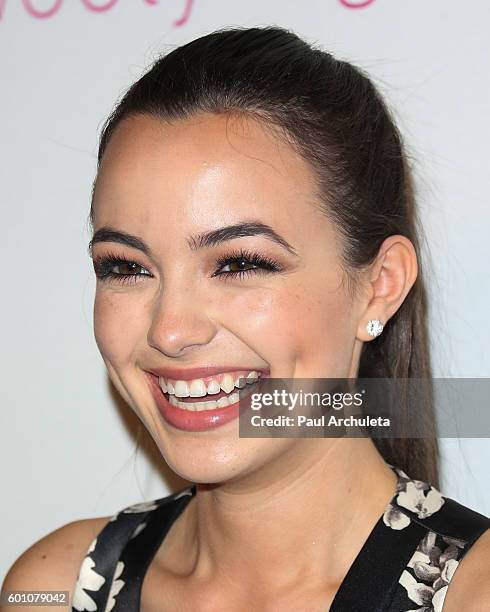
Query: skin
x=164, y=182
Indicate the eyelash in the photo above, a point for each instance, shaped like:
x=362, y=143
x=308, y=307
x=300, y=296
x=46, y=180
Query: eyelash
x=104, y=264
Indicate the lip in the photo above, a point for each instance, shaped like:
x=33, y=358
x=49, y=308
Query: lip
x=191, y=373
x=187, y=420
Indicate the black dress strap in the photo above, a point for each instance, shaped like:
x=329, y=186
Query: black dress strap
x=140, y=551
x=371, y=581
x=121, y=553
x=406, y=562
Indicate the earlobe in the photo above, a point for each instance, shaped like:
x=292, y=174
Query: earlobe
x=394, y=273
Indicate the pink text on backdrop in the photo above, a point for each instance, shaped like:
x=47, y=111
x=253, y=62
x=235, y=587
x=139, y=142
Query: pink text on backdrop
x=91, y=5
x=356, y=4
x=102, y=6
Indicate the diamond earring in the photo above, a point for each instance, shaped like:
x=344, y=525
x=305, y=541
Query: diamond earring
x=374, y=327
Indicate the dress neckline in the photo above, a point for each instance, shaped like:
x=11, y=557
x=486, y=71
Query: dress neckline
x=371, y=563
x=409, y=556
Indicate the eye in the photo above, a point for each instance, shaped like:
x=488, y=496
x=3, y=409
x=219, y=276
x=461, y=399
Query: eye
x=111, y=267
x=242, y=263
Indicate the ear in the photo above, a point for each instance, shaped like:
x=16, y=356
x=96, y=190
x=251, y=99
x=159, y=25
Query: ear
x=389, y=279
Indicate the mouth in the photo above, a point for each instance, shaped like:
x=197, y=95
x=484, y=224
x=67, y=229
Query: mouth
x=217, y=390
x=199, y=404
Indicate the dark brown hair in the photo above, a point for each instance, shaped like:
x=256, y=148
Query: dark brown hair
x=332, y=113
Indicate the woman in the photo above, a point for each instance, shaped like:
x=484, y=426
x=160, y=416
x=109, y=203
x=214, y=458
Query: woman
x=253, y=216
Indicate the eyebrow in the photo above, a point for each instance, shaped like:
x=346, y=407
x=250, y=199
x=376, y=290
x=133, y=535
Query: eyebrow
x=199, y=241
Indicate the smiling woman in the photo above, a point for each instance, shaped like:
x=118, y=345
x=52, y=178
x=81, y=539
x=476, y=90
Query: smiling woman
x=253, y=217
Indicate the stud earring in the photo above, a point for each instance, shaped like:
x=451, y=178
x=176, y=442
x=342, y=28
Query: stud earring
x=374, y=327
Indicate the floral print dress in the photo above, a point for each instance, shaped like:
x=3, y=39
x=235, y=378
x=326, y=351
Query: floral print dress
x=405, y=564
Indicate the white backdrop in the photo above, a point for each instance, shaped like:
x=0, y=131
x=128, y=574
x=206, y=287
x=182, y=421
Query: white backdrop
x=67, y=447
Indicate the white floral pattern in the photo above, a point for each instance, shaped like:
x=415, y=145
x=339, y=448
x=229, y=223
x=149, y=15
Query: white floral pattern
x=431, y=567
x=416, y=500
x=88, y=579
x=432, y=572
x=116, y=586
x=416, y=496
x=394, y=518
x=141, y=507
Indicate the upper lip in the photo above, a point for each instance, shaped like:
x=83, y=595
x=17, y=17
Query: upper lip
x=193, y=373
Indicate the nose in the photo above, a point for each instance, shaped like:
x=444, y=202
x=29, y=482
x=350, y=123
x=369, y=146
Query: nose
x=180, y=320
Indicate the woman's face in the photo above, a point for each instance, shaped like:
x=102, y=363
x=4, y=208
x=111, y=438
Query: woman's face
x=179, y=307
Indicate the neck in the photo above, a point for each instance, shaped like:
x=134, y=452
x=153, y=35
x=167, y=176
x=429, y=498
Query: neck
x=300, y=521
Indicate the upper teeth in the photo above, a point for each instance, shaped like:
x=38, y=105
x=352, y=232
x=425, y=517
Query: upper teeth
x=198, y=388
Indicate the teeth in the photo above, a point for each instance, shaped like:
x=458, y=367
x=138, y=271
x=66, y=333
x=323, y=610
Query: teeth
x=240, y=382
x=195, y=406
x=227, y=383
x=206, y=405
x=223, y=402
x=233, y=398
x=197, y=388
x=181, y=388
x=213, y=387
x=252, y=377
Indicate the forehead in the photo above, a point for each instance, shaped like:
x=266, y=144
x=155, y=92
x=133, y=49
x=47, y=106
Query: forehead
x=197, y=169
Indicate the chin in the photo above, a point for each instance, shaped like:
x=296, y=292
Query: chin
x=213, y=473
x=222, y=461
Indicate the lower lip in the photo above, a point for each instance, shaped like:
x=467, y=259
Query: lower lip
x=189, y=420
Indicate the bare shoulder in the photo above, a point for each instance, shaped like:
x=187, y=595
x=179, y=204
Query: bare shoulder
x=53, y=562
x=469, y=588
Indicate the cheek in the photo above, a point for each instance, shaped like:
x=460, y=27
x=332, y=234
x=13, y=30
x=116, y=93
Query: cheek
x=323, y=333
x=302, y=326
x=118, y=325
